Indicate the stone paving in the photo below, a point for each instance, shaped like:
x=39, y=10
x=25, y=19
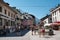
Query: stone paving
x=28, y=36
x=25, y=37
x=47, y=37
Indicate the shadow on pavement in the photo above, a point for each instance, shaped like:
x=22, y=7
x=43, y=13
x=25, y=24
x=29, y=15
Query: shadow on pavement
x=17, y=34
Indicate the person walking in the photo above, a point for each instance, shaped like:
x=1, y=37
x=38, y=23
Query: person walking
x=4, y=30
x=35, y=29
x=39, y=32
x=32, y=29
x=43, y=32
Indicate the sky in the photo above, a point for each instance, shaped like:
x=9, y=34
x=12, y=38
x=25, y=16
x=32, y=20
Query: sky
x=39, y=8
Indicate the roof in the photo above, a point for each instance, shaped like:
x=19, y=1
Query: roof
x=55, y=8
x=32, y=15
x=44, y=17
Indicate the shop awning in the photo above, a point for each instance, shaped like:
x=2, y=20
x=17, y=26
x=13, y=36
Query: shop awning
x=55, y=24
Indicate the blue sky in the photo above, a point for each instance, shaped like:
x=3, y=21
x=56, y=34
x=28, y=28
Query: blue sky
x=39, y=8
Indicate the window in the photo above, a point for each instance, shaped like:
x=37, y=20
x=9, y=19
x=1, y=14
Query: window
x=11, y=15
x=29, y=17
x=55, y=19
x=50, y=18
x=59, y=10
x=8, y=13
x=0, y=9
x=45, y=22
x=14, y=16
x=8, y=22
x=5, y=12
x=0, y=22
x=24, y=17
x=55, y=12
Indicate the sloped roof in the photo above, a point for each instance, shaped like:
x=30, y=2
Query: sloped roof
x=44, y=17
x=55, y=7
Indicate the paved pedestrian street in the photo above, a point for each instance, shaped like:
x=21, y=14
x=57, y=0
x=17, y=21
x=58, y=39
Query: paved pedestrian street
x=46, y=37
x=28, y=36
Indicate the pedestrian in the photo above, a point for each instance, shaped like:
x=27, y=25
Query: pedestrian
x=35, y=29
x=32, y=30
x=4, y=30
x=39, y=32
x=43, y=32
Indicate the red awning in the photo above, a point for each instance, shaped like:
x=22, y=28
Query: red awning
x=55, y=24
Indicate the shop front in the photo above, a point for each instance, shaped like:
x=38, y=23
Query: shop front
x=55, y=25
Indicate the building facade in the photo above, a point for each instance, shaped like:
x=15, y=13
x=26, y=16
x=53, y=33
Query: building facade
x=7, y=15
x=45, y=21
x=27, y=20
x=18, y=18
x=55, y=12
